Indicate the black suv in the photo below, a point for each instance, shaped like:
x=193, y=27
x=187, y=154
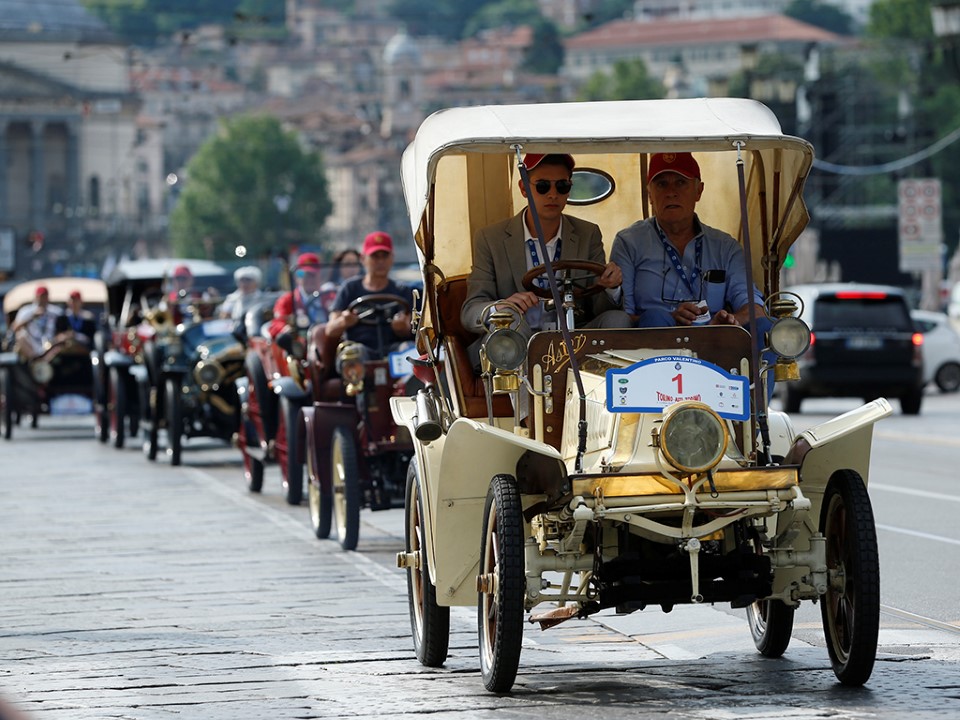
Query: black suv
x=864, y=344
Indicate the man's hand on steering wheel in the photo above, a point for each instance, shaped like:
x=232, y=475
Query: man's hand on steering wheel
x=523, y=300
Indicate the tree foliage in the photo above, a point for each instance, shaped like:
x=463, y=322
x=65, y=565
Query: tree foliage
x=822, y=14
x=232, y=189
x=903, y=19
x=141, y=22
x=446, y=18
x=629, y=80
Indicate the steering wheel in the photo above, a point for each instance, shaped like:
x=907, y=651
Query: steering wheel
x=378, y=307
x=580, y=290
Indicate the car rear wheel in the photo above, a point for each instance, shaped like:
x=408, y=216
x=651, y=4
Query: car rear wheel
x=102, y=400
x=850, y=608
x=155, y=404
x=911, y=402
x=288, y=448
x=501, y=585
x=6, y=387
x=791, y=400
x=430, y=622
x=346, y=487
x=252, y=468
x=948, y=377
x=771, y=624
x=117, y=405
x=174, y=420
x=319, y=500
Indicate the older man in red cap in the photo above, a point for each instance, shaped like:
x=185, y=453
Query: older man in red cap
x=34, y=325
x=505, y=251
x=380, y=338
x=303, y=306
x=676, y=270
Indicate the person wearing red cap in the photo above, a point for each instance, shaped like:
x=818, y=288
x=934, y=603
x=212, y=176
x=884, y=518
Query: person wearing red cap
x=76, y=323
x=34, y=325
x=377, y=263
x=678, y=271
x=303, y=306
x=505, y=251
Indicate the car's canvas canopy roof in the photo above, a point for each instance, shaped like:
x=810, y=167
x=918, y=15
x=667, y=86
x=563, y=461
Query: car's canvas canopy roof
x=92, y=292
x=159, y=268
x=463, y=157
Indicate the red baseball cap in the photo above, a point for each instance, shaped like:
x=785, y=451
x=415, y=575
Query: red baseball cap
x=182, y=271
x=377, y=242
x=531, y=160
x=75, y=295
x=680, y=163
x=308, y=261
x=41, y=290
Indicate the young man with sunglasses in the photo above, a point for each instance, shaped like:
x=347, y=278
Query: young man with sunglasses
x=505, y=251
x=678, y=271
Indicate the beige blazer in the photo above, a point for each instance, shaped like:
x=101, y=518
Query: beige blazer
x=500, y=262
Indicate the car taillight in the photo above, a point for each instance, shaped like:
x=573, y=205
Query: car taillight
x=917, y=339
x=860, y=295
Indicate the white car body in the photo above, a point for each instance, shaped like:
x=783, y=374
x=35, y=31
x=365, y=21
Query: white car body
x=941, y=349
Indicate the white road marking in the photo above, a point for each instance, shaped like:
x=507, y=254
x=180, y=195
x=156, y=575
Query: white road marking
x=917, y=533
x=911, y=491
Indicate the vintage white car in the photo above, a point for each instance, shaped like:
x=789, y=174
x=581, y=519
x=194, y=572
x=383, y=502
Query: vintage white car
x=650, y=470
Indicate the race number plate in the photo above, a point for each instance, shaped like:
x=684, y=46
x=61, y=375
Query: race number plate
x=399, y=364
x=651, y=385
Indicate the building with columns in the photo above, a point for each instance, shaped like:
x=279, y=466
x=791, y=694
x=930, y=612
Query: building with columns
x=72, y=157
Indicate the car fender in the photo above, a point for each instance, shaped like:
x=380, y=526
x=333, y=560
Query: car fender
x=843, y=442
x=456, y=486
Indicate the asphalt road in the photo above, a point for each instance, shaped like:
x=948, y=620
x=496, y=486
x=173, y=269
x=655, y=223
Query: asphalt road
x=136, y=590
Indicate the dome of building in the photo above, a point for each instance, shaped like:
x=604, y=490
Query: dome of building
x=51, y=20
x=401, y=50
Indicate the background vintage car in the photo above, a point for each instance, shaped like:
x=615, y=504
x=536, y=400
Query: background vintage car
x=134, y=286
x=71, y=389
x=941, y=349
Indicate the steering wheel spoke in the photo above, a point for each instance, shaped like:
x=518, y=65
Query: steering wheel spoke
x=582, y=287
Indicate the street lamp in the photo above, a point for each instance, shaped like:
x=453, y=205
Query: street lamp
x=945, y=15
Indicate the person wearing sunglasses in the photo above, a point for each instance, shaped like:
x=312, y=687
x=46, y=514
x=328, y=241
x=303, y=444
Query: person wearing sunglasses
x=505, y=251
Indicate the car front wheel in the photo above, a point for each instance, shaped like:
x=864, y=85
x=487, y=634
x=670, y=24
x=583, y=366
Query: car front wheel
x=850, y=608
x=501, y=585
x=911, y=402
x=346, y=487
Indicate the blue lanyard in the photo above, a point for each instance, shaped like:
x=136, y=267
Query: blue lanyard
x=678, y=265
x=76, y=322
x=542, y=280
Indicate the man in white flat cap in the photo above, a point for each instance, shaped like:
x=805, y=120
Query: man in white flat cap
x=248, y=292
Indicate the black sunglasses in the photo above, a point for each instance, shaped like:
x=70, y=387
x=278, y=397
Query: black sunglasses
x=543, y=186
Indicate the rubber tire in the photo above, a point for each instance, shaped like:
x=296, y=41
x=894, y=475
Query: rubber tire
x=101, y=385
x=117, y=407
x=771, y=624
x=288, y=448
x=174, y=408
x=911, y=402
x=850, y=608
x=500, y=614
x=792, y=399
x=346, y=487
x=948, y=378
x=319, y=501
x=429, y=622
x=6, y=384
x=152, y=444
x=266, y=398
x=252, y=468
